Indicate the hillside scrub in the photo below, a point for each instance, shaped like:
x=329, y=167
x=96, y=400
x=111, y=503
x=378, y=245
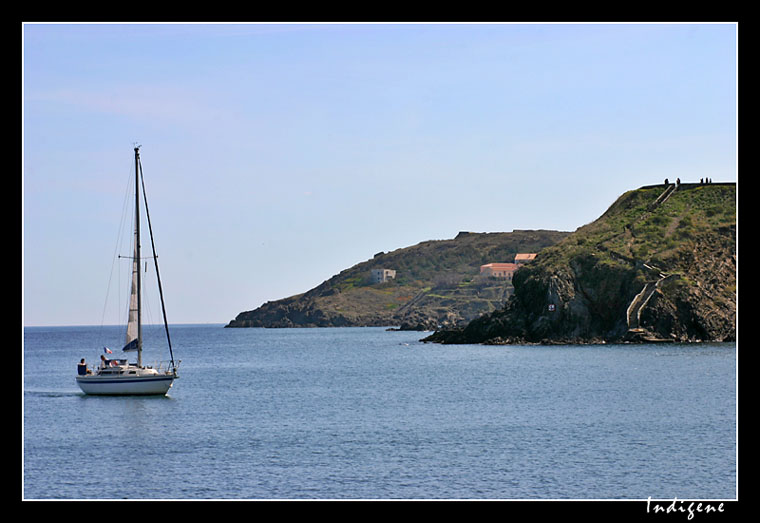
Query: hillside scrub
x=437, y=282
x=680, y=249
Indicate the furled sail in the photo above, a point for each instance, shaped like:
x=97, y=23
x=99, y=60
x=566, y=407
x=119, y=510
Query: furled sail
x=131, y=341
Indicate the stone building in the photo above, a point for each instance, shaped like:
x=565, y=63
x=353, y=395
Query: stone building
x=383, y=275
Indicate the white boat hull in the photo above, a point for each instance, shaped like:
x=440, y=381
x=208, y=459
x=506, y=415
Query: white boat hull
x=127, y=385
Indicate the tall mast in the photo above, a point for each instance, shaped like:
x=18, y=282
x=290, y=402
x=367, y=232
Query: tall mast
x=137, y=255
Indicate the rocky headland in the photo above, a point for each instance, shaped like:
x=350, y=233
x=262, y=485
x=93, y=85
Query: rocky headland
x=659, y=265
x=432, y=284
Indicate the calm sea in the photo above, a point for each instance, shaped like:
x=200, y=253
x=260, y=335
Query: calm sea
x=363, y=413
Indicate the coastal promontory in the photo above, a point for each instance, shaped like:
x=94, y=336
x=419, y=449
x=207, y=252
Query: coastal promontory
x=659, y=265
x=422, y=287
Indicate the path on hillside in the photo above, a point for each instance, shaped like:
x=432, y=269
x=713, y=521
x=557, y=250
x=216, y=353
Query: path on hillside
x=640, y=301
x=633, y=314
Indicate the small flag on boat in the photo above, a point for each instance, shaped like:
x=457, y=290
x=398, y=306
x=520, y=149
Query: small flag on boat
x=107, y=350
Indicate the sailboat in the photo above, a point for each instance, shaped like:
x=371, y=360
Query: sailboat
x=119, y=376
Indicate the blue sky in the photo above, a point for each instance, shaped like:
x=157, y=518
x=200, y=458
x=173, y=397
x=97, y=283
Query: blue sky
x=277, y=155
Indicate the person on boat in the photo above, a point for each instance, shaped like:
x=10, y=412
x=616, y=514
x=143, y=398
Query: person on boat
x=104, y=362
x=82, y=368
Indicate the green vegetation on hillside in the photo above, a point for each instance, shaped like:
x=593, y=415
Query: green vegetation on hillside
x=660, y=263
x=437, y=282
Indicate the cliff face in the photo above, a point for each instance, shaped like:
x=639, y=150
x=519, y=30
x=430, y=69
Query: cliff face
x=660, y=264
x=436, y=283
